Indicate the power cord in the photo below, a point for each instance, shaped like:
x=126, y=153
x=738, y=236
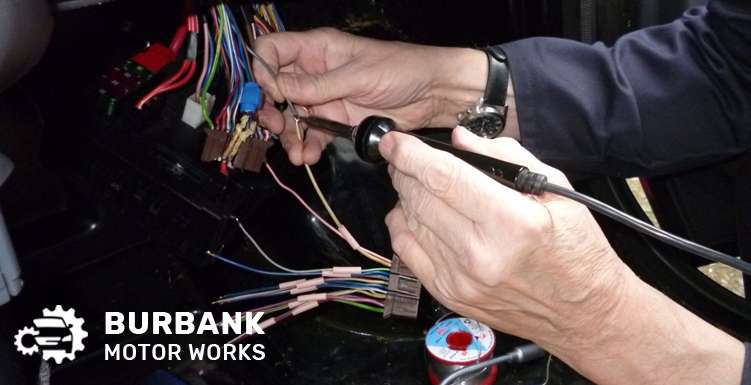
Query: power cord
x=521, y=354
x=648, y=229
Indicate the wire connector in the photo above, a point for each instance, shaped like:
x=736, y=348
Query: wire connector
x=193, y=114
x=216, y=141
x=251, y=97
x=251, y=154
x=403, y=297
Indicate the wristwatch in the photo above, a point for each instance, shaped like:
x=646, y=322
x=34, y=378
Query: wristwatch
x=487, y=118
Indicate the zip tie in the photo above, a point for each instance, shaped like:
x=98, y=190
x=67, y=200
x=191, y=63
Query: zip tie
x=291, y=284
x=304, y=307
x=312, y=297
x=348, y=269
x=302, y=290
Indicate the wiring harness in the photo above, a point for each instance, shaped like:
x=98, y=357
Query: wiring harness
x=217, y=59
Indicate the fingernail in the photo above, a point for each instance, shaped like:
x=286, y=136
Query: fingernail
x=386, y=146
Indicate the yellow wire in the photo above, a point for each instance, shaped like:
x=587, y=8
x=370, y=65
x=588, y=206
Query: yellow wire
x=372, y=294
x=367, y=254
x=376, y=258
x=270, y=16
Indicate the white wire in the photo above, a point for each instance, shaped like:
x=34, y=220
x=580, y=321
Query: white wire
x=76, y=4
x=547, y=370
x=266, y=256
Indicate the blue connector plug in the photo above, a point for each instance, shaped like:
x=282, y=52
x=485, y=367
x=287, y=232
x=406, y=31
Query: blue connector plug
x=251, y=98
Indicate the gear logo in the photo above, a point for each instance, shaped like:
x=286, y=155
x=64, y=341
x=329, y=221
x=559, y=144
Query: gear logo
x=58, y=335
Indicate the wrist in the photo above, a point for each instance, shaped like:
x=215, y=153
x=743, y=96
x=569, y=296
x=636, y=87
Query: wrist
x=647, y=338
x=459, y=82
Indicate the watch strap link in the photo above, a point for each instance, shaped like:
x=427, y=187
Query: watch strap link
x=498, y=77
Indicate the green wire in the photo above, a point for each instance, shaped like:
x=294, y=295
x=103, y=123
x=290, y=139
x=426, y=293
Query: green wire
x=363, y=306
x=215, y=64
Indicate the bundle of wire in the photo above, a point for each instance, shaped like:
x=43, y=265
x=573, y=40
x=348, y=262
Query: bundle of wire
x=188, y=67
x=365, y=289
x=225, y=49
x=353, y=285
x=273, y=23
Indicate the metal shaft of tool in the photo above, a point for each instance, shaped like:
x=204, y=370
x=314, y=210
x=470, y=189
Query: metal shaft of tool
x=329, y=126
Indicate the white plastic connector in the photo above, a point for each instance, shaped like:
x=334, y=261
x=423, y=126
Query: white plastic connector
x=192, y=114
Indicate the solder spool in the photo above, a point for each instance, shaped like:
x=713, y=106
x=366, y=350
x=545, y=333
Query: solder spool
x=454, y=343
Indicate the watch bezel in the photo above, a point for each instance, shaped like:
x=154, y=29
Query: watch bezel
x=477, y=111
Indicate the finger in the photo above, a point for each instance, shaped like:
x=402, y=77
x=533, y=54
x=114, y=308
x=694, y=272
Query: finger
x=311, y=52
x=446, y=223
x=291, y=142
x=315, y=143
x=506, y=149
x=460, y=185
x=271, y=119
x=318, y=88
x=406, y=246
x=433, y=272
x=275, y=50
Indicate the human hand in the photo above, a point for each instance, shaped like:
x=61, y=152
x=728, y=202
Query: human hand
x=539, y=267
x=347, y=78
x=526, y=265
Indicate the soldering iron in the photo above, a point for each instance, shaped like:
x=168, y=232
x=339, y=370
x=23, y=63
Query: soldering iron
x=367, y=135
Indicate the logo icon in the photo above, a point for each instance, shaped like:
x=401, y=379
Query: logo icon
x=58, y=335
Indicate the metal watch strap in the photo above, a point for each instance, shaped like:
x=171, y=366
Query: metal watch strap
x=498, y=76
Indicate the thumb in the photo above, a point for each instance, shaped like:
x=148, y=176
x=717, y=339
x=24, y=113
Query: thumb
x=313, y=89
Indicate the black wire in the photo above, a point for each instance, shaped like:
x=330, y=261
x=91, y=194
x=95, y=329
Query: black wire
x=652, y=231
x=520, y=354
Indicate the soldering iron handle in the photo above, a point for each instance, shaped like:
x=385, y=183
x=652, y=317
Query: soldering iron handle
x=512, y=175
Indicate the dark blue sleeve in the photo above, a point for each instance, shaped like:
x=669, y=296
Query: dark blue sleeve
x=661, y=100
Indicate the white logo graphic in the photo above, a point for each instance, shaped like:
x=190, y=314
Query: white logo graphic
x=58, y=335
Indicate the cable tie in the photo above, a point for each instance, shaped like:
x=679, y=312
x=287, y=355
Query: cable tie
x=304, y=307
x=348, y=269
x=302, y=290
x=291, y=284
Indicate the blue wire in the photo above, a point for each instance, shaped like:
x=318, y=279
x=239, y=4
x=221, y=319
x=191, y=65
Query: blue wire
x=250, y=291
x=353, y=285
x=245, y=63
x=278, y=18
x=211, y=60
x=263, y=272
x=373, y=273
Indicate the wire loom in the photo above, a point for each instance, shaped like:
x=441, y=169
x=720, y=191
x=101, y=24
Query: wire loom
x=235, y=139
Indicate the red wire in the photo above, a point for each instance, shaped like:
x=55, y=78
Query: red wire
x=184, y=80
x=171, y=83
x=187, y=69
x=179, y=39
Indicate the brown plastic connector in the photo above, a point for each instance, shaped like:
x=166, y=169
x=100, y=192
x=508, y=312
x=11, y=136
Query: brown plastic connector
x=214, y=145
x=252, y=154
x=403, y=297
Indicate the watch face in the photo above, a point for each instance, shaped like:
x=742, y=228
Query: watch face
x=484, y=124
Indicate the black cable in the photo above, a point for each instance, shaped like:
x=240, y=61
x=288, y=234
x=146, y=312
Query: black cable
x=646, y=228
x=524, y=353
